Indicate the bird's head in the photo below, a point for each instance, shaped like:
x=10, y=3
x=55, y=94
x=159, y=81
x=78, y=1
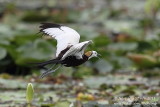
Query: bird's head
x=91, y=54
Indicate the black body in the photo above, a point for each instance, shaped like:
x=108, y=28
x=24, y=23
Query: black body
x=72, y=61
x=69, y=61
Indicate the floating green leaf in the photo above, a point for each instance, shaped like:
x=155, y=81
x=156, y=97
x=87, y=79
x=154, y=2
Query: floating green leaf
x=62, y=104
x=143, y=60
x=3, y=53
x=103, y=66
x=123, y=46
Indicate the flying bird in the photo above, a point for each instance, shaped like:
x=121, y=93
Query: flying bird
x=70, y=52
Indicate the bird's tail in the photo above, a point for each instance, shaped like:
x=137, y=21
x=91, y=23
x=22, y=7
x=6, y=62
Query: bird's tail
x=42, y=64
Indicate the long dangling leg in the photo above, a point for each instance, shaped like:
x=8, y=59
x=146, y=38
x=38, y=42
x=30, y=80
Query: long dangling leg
x=49, y=71
x=50, y=68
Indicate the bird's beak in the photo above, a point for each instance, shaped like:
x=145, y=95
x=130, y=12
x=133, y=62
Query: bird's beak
x=98, y=56
x=91, y=41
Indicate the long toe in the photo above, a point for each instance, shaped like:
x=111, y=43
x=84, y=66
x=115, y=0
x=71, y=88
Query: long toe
x=49, y=72
x=45, y=74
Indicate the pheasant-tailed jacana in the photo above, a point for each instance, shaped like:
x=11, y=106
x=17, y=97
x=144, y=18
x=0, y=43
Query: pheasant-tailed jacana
x=69, y=51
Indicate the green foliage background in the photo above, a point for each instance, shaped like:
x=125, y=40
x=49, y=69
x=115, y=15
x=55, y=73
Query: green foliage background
x=126, y=34
x=114, y=37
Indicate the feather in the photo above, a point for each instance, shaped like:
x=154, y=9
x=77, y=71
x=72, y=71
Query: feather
x=52, y=61
x=77, y=50
x=65, y=36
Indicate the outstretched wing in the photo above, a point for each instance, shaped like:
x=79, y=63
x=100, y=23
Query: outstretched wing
x=65, y=36
x=77, y=50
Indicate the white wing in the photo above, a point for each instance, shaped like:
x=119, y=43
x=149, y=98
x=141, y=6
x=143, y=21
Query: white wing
x=65, y=36
x=77, y=50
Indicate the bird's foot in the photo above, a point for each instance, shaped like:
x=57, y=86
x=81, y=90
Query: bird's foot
x=49, y=71
x=46, y=73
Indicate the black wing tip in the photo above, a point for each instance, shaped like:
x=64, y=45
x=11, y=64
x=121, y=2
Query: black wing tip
x=46, y=25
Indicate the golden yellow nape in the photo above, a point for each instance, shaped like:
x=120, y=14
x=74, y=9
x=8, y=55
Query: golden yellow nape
x=89, y=53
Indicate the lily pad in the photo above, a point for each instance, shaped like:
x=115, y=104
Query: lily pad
x=62, y=104
x=3, y=53
x=143, y=60
x=38, y=50
x=123, y=46
x=103, y=66
x=93, y=104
